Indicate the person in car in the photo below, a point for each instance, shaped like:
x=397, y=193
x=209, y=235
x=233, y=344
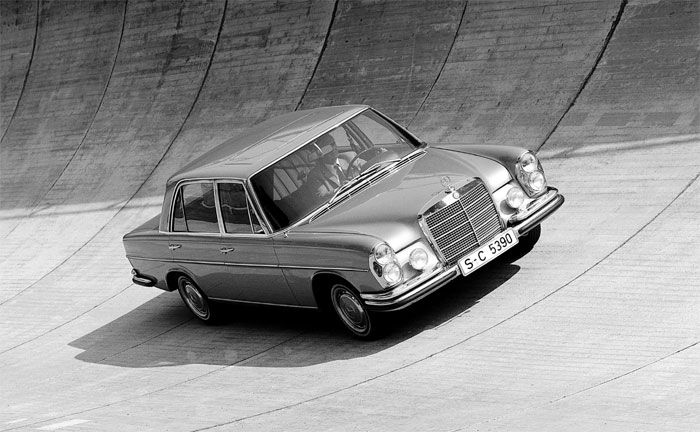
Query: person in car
x=328, y=174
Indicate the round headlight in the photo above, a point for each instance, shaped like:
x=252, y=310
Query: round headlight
x=536, y=181
x=392, y=273
x=528, y=162
x=418, y=258
x=383, y=254
x=515, y=197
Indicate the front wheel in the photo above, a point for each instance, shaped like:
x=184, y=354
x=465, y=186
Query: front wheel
x=351, y=311
x=195, y=300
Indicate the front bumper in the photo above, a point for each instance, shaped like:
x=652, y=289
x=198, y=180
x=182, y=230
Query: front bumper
x=537, y=211
x=412, y=291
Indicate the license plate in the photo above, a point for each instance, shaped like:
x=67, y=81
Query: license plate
x=495, y=247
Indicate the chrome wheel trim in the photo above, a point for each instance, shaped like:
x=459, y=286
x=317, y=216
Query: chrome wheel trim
x=350, y=310
x=195, y=300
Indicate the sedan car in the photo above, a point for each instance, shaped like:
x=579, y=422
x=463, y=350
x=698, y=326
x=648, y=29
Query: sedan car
x=338, y=208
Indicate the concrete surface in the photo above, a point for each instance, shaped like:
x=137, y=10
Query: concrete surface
x=596, y=329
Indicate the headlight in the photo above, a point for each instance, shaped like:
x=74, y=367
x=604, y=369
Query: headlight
x=515, y=197
x=392, y=273
x=418, y=258
x=528, y=162
x=383, y=254
x=530, y=174
x=536, y=181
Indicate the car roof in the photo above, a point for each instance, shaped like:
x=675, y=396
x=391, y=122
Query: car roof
x=265, y=143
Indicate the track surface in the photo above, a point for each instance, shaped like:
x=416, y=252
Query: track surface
x=597, y=328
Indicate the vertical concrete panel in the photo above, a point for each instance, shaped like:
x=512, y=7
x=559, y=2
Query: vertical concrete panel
x=76, y=46
x=647, y=84
x=385, y=54
x=17, y=33
x=165, y=50
x=513, y=70
x=264, y=61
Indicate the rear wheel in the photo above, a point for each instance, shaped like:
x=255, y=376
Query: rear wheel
x=195, y=300
x=351, y=311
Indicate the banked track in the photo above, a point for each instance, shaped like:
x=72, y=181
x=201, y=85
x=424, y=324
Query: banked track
x=596, y=327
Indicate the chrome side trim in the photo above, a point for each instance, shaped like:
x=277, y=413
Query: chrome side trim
x=323, y=268
x=261, y=303
x=164, y=260
x=230, y=264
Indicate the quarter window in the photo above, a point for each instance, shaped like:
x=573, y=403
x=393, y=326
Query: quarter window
x=196, y=203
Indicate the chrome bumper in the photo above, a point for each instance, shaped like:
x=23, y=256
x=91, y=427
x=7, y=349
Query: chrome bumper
x=410, y=292
x=537, y=211
x=420, y=287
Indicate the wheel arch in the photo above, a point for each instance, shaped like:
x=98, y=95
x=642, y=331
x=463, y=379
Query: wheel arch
x=173, y=274
x=321, y=283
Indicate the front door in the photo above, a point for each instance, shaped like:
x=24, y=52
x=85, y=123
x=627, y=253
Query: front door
x=254, y=272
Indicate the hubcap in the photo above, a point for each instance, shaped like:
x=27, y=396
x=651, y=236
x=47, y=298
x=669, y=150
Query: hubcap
x=350, y=310
x=195, y=300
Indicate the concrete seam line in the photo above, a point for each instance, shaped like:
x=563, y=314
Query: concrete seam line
x=147, y=178
x=320, y=55
x=588, y=76
x=51, y=330
x=26, y=74
x=626, y=373
x=92, y=120
x=470, y=337
x=180, y=324
x=442, y=67
x=268, y=349
x=660, y=359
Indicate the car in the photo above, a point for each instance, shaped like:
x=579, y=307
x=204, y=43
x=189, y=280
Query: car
x=339, y=208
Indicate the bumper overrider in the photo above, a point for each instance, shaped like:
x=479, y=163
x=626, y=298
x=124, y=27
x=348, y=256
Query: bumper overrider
x=410, y=292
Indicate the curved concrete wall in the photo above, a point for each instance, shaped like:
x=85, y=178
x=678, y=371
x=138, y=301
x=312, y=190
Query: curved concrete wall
x=18, y=22
x=646, y=87
x=120, y=95
x=75, y=50
x=393, y=66
x=513, y=70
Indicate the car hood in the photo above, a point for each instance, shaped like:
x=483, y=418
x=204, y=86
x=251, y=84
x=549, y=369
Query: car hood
x=388, y=210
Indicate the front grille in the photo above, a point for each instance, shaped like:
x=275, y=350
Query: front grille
x=465, y=224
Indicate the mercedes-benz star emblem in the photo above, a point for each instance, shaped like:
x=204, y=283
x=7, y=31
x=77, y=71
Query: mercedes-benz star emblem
x=446, y=181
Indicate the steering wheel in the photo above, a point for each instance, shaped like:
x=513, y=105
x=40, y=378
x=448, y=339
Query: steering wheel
x=370, y=153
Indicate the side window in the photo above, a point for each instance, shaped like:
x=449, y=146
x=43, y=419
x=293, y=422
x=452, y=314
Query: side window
x=198, y=207
x=235, y=210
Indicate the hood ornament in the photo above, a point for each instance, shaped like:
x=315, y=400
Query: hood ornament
x=446, y=182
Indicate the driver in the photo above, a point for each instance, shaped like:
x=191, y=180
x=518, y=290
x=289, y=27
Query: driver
x=327, y=175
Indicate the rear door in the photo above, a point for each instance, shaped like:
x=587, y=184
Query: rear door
x=195, y=238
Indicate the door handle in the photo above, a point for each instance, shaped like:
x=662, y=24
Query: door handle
x=172, y=246
x=225, y=250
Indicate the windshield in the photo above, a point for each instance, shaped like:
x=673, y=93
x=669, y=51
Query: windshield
x=303, y=181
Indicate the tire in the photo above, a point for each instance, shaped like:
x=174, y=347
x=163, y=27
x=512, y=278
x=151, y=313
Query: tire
x=352, y=312
x=525, y=244
x=195, y=300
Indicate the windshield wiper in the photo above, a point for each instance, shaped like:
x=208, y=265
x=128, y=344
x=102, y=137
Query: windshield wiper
x=364, y=174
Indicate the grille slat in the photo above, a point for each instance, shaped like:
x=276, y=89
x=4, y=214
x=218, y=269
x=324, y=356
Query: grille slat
x=464, y=225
